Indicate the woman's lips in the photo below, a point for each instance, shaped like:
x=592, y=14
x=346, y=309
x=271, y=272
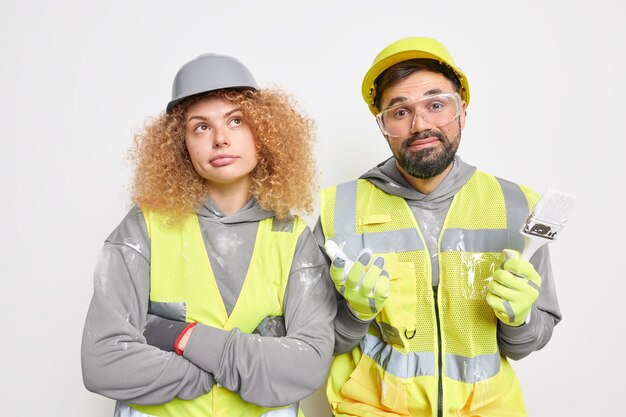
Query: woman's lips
x=222, y=160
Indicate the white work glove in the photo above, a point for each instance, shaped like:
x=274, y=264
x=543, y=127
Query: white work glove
x=364, y=284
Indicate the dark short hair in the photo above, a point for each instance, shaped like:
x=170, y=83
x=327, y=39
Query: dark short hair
x=401, y=70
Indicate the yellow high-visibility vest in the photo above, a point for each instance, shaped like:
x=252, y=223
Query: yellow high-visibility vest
x=429, y=347
x=180, y=274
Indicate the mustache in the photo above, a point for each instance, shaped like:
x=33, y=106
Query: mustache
x=424, y=135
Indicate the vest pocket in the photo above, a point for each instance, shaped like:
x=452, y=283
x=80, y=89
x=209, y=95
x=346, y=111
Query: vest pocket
x=498, y=396
x=372, y=390
x=398, y=308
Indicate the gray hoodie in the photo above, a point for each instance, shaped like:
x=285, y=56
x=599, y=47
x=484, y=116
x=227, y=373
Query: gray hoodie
x=117, y=362
x=430, y=211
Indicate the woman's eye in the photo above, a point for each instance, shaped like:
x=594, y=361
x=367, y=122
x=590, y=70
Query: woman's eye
x=201, y=128
x=236, y=121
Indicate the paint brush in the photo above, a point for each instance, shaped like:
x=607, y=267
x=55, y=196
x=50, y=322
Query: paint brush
x=546, y=220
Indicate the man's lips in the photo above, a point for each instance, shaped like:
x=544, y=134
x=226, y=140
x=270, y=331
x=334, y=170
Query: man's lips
x=422, y=143
x=222, y=160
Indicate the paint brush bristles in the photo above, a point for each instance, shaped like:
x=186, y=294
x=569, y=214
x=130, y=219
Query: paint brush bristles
x=546, y=220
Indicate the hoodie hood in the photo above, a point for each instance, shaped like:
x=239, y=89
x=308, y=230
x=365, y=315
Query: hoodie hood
x=250, y=212
x=387, y=177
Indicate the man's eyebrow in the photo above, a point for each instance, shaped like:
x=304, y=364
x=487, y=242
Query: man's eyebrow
x=433, y=91
x=396, y=100
x=401, y=99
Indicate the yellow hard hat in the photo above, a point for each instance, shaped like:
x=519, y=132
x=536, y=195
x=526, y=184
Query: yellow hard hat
x=404, y=50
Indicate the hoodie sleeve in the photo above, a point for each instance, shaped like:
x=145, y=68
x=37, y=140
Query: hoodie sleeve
x=518, y=342
x=349, y=330
x=277, y=371
x=116, y=361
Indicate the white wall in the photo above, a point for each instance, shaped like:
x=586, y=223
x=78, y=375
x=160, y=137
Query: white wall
x=77, y=78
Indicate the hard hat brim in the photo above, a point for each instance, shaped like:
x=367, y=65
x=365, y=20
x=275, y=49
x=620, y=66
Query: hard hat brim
x=186, y=95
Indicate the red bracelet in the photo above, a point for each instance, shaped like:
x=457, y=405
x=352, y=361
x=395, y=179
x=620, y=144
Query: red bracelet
x=180, y=336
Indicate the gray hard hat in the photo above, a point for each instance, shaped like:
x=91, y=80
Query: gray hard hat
x=209, y=72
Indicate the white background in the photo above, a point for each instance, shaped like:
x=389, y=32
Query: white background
x=78, y=78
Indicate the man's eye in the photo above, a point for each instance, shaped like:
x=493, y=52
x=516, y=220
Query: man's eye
x=437, y=106
x=400, y=113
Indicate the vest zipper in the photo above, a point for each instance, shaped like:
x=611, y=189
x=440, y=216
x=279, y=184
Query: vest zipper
x=439, y=360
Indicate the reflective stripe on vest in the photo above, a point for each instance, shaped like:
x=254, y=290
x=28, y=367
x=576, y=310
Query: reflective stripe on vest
x=412, y=364
x=345, y=234
x=476, y=240
x=124, y=410
x=182, y=284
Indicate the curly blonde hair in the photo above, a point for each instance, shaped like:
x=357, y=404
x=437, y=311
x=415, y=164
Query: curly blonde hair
x=284, y=180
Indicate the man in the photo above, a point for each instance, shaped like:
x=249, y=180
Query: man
x=432, y=307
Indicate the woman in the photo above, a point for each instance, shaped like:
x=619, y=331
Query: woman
x=211, y=298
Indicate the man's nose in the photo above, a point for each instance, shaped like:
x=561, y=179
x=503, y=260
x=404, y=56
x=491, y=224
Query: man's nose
x=419, y=124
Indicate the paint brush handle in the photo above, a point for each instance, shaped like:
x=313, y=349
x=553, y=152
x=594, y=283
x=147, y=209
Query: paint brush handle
x=334, y=251
x=532, y=245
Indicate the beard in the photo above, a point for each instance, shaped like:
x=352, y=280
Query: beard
x=429, y=162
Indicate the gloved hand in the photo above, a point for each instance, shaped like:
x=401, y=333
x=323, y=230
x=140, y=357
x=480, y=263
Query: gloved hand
x=271, y=326
x=164, y=333
x=513, y=289
x=364, y=285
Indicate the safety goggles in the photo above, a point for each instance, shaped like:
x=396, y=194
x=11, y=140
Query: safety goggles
x=438, y=109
